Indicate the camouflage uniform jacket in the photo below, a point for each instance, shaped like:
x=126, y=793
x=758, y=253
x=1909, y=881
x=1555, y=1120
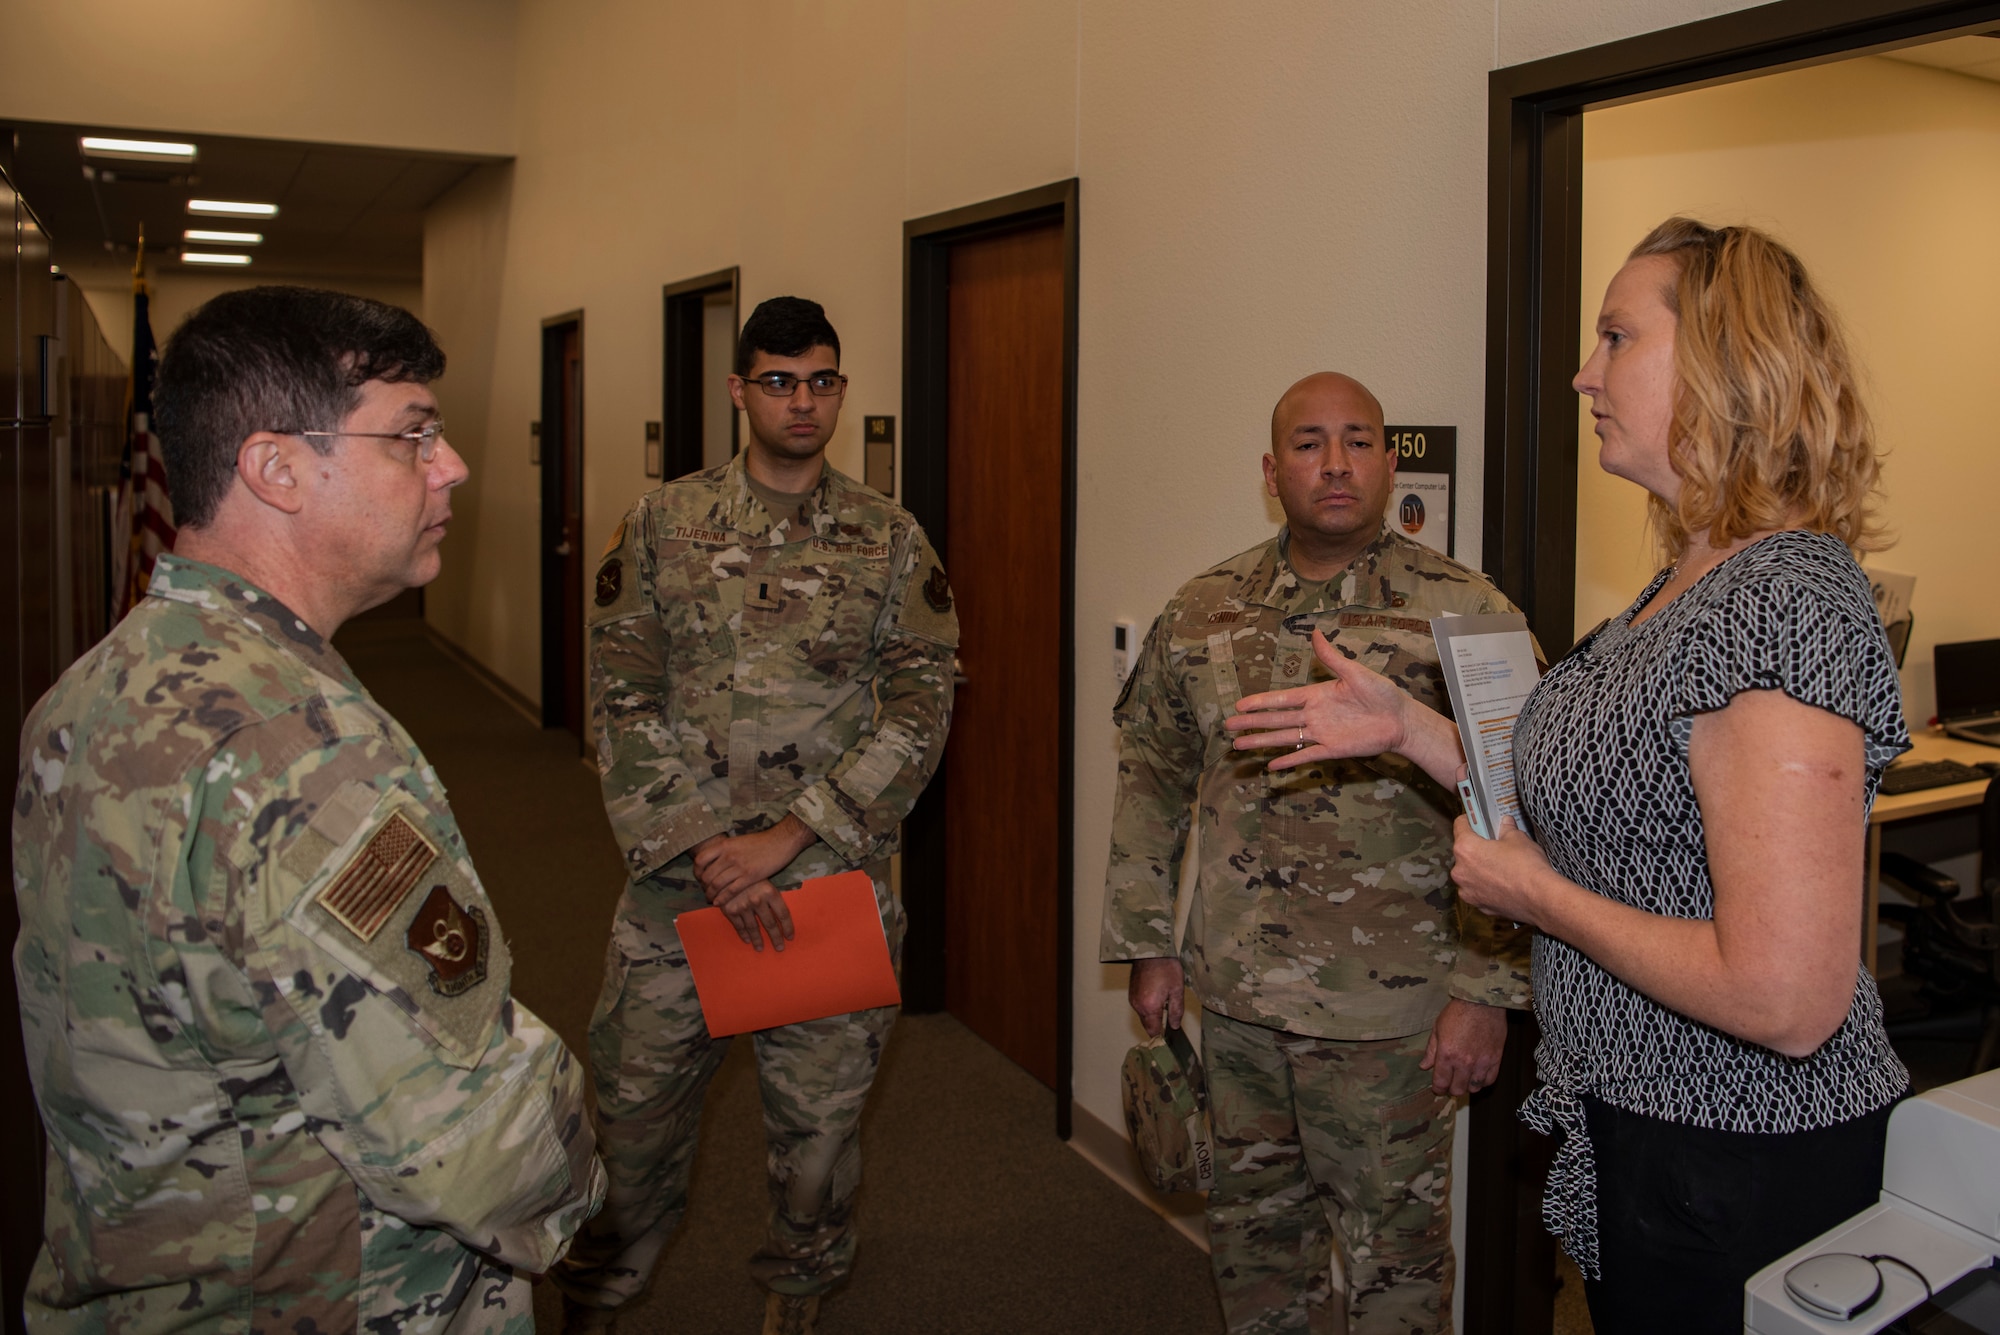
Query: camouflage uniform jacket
x=266, y=1003
x=1323, y=900
x=742, y=667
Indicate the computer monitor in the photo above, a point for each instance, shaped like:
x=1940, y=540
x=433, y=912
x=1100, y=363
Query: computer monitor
x=1968, y=680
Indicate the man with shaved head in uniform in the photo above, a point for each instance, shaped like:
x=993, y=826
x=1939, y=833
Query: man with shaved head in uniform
x=1347, y=1000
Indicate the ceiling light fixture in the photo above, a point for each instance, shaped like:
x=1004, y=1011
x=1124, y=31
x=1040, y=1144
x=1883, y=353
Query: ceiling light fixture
x=229, y=208
x=223, y=238
x=211, y=257
x=137, y=150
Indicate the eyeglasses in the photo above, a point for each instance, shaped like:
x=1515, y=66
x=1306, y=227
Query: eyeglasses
x=425, y=438
x=780, y=384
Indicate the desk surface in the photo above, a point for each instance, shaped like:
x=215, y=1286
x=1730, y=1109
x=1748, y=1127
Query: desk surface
x=1929, y=745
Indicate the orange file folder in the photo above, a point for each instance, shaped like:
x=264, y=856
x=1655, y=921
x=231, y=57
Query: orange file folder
x=837, y=960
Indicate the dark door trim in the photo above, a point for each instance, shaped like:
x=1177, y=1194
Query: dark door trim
x=1533, y=308
x=926, y=369
x=681, y=367
x=553, y=562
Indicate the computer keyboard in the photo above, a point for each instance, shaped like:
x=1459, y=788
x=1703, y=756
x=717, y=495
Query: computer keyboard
x=1923, y=774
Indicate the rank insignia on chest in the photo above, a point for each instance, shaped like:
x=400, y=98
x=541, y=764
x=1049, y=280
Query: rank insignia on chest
x=610, y=581
x=1292, y=664
x=380, y=875
x=452, y=940
x=936, y=591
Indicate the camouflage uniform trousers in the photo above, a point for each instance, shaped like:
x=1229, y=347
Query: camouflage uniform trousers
x=1319, y=1140
x=652, y=1058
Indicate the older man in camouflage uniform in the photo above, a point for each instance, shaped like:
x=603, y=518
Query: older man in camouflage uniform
x=771, y=677
x=1345, y=999
x=264, y=994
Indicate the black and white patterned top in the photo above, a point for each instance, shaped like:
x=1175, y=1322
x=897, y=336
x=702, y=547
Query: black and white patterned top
x=1601, y=751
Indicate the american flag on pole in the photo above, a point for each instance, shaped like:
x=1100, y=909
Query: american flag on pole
x=143, y=473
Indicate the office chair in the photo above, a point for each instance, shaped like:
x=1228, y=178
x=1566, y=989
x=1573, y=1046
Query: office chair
x=1952, y=945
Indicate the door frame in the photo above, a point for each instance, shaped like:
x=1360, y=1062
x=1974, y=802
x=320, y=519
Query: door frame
x=1533, y=314
x=681, y=368
x=552, y=565
x=927, y=246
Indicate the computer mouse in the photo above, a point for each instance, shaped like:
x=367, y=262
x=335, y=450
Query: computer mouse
x=1834, y=1284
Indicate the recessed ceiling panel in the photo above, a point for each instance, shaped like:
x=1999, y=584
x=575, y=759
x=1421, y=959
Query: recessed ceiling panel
x=343, y=212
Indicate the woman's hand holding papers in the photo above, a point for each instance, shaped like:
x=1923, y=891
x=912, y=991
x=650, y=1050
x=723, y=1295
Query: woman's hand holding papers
x=1358, y=713
x=1505, y=877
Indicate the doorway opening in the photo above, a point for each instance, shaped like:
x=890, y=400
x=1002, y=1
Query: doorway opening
x=562, y=525
x=989, y=399
x=702, y=318
x=1536, y=301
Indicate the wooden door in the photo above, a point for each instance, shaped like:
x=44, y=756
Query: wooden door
x=1004, y=555
x=562, y=528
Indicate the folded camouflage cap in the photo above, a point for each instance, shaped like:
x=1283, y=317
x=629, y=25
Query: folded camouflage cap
x=1166, y=1110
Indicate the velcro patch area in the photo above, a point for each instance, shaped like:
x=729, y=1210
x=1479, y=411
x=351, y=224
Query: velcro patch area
x=927, y=607
x=398, y=907
x=617, y=590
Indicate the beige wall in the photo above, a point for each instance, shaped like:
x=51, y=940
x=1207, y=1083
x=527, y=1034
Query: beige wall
x=176, y=290
x=435, y=74
x=1265, y=192
x=1885, y=177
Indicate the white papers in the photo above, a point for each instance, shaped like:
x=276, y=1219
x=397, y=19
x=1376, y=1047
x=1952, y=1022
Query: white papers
x=1489, y=669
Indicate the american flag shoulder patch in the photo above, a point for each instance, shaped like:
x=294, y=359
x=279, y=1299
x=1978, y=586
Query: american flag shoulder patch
x=364, y=893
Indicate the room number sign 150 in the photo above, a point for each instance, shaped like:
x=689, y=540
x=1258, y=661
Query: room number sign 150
x=1422, y=506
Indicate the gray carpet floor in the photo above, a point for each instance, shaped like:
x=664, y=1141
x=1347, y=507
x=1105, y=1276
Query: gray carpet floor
x=974, y=1217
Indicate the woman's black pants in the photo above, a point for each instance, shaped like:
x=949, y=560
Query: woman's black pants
x=1685, y=1215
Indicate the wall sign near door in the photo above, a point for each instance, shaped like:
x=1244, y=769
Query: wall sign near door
x=655, y=461
x=535, y=443
x=1422, y=506
x=878, y=437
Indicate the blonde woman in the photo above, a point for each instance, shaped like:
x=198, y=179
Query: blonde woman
x=1696, y=774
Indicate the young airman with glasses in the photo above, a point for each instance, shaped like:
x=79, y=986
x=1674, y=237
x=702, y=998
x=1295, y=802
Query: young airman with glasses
x=771, y=652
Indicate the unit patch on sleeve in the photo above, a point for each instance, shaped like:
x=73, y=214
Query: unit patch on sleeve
x=378, y=878
x=452, y=940
x=937, y=591
x=924, y=605
x=610, y=581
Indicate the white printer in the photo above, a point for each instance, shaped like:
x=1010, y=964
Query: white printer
x=1939, y=1218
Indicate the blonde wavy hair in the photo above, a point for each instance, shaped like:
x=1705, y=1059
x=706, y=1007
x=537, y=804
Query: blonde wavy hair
x=1768, y=427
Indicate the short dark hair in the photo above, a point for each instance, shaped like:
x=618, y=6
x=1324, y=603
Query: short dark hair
x=272, y=359
x=785, y=327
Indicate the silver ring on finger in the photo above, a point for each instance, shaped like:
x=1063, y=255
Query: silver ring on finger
x=1302, y=738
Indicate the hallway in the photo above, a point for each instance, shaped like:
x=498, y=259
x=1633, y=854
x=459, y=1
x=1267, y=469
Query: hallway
x=975, y=1218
